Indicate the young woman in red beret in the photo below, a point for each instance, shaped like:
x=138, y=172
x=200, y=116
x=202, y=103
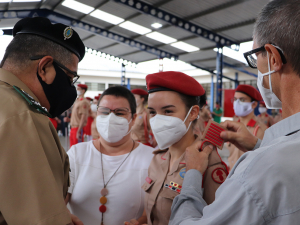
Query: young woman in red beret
x=174, y=102
x=141, y=130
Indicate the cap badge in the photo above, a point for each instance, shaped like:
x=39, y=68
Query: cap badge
x=68, y=32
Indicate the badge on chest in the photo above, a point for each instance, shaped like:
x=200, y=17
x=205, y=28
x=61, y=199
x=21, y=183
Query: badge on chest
x=174, y=187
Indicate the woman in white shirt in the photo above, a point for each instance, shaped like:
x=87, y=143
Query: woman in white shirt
x=106, y=174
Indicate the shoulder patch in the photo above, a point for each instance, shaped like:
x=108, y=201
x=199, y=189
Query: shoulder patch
x=219, y=175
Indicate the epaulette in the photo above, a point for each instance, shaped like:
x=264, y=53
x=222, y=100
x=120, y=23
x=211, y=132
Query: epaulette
x=30, y=100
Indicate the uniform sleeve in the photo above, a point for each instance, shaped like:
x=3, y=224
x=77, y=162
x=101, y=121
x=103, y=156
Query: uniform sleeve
x=71, y=154
x=84, y=108
x=233, y=205
x=29, y=193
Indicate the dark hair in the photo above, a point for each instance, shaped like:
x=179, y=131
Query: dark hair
x=190, y=101
x=278, y=24
x=145, y=97
x=23, y=46
x=120, y=91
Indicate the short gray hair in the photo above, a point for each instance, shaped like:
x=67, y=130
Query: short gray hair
x=278, y=24
x=23, y=46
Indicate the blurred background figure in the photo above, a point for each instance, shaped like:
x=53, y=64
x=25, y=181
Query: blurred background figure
x=264, y=117
x=95, y=134
x=141, y=130
x=217, y=113
x=246, y=99
x=87, y=128
x=204, y=117
x=79, y=115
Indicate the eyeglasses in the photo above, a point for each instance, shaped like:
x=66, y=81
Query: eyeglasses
x=73, y=80
x=251, y=56
x=240, y=99
x=118, y=111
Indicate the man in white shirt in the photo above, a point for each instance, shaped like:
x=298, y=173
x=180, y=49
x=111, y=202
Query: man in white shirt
x=263, y=186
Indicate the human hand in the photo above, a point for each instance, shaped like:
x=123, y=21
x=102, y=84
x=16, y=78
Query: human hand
x=132, y=222
x=76, y=220
x=239, y=135
x=195, y=159
x=78, y=135
x=66, y=119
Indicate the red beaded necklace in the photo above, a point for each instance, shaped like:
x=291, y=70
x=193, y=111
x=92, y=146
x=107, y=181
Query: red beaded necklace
x=104, y=191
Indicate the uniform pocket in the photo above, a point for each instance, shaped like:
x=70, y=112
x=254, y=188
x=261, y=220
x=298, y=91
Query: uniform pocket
x=168, y=193
x=147, y=186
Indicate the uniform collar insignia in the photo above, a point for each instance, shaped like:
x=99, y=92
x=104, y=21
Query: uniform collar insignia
x=30, y=100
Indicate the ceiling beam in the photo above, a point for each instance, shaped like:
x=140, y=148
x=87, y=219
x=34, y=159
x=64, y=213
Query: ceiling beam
x=236, y=25
x=97, y=7
x=179, y=22
x=215, y=9
x=60, y=18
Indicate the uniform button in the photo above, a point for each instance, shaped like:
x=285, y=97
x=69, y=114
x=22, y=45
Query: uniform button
x=103, y=200
x=102, y=208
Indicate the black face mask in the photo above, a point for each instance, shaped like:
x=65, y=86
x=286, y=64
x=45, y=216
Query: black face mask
x=60, y=94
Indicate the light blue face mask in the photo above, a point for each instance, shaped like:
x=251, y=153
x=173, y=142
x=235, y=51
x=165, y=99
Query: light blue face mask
x=242, y=108
x=270, y=99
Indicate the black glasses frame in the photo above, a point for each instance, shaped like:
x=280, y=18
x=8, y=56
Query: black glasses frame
x=76, y=76
x=262, y=48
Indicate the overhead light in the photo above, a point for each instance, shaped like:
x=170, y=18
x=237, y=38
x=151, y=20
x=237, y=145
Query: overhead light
x=4, y=1
x=156, y=25
x=99, y=14
x=26, y=0
x=161, y=37
x=185, y=46
x=244, y=47
x=78, y=6
x=135, y=27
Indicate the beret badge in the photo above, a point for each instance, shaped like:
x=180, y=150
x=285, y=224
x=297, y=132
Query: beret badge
x=68, y=32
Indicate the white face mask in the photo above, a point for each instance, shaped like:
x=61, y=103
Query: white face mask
x=94, y=107
x=270, y=99
x=78, y=93
x=168, y=130
x=242, y=108
x=112, y=128
x=262, y=110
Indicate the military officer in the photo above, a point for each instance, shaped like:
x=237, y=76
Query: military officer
x=264, y=116
x=246, y=98
x=95, y=133
x=79, y=116
x=36, y=82
x=173, y=104
x=87, y=128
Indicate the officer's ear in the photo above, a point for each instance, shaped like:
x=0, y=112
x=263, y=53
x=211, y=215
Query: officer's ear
x=46, y=69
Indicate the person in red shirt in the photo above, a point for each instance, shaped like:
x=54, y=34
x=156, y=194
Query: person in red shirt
x=87, y=129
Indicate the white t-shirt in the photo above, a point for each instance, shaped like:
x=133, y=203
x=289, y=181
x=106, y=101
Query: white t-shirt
x=125, y=199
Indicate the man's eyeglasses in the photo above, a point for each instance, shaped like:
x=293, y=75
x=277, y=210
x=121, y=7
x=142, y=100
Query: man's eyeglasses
x=118, y=111
x=251, y=56
x=73, y=80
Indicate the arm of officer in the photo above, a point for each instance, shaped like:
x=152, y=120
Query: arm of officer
x=29, y=193
x=240, y=136
x=233, y=205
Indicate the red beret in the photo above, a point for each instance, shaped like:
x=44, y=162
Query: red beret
x=88, y=98
x=174, y=81
x=139, y=91
x=97, y=97
x=263, y=103
x=249, y=90
x=83, y=86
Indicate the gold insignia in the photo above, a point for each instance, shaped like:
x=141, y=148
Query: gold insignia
x=68, y=32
